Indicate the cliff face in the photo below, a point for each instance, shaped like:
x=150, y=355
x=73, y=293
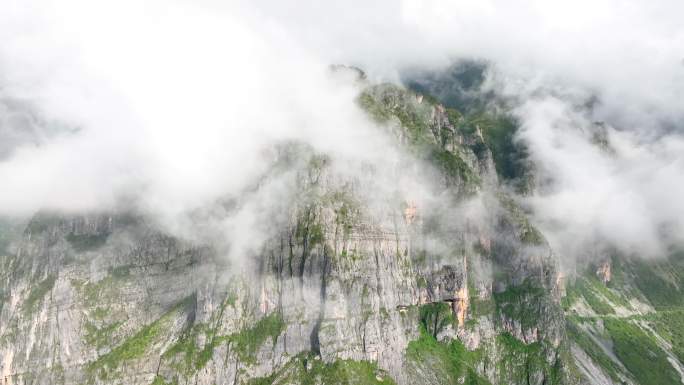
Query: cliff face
x=342, y=292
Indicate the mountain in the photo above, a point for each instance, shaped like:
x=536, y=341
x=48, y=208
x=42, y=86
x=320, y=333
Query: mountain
x=359, y=283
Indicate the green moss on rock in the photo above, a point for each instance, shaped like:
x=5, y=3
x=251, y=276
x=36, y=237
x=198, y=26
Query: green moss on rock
x=525, y=303
x=453, y=166
x=247, y=342
x=138, y=344
x=38, y=293
x=448, y=362
x=520, y=362
x=100, y=336
x=434, y=317
x=307, y=369
x=87, y=242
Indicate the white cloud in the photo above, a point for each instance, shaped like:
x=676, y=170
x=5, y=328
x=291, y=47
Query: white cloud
x=172, y=104
x=626, y=196
x=174, y=100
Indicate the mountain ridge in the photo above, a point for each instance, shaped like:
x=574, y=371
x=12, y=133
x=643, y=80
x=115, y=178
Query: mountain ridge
x=343, y=292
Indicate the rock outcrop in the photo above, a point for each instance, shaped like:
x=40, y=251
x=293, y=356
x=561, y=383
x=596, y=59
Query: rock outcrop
x=341, y=292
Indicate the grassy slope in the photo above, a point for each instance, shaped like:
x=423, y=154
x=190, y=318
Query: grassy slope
x=307, y=369
x=636, y=338
x=449, y=362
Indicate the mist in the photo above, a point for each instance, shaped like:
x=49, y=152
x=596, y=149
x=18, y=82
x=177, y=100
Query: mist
x=604, y=187
x=170, y=106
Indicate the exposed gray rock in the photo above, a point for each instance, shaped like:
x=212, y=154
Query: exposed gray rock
x=111, y=299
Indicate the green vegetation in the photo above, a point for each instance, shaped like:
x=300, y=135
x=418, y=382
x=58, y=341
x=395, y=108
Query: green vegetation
x=100, y=337
x=347, y=215
x=86, y=242
x=191, y=357
x=583, y=289
x=571, y=296
x=434, y=317
x=447, y=361
x=133, y=347
x=611, y=295
x=97, y=293
x=120, y=271
x=524, y=302
x=185, y=355
x=307, y=370
x=458, y=86
x=316, y=234
x=41, y=222
x=448, y=357
x=100, y=312
x=595, y=293
x=528, y=233
x=349, y=372
x=308, y=228
x=531, y=235
x=639, y=353
x=659, y=281
x=510, y=155
x=594, y=351
x=520, y=361
x=618, y=279
x=317, y=162
x=38, y=292
x=481, y=307
x=634, y=340
x=374, y=108
x=137, y=345
x=670, y=326
x=247, y=342
x=459, y=89
x=10, y=230
x=453, y=166
x=159, y=380
x=415, y=120
x=385, y=102
x=454, y=116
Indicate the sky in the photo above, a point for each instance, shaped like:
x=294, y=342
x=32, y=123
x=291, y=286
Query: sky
x=170, y=105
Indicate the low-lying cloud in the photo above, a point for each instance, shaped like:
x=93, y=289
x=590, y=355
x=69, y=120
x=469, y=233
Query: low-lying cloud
x=171, y=105
x=604, y=187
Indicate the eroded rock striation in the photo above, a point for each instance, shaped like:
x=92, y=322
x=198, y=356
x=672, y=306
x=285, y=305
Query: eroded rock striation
x=342, y=291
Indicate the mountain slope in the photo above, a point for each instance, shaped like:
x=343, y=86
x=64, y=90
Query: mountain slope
x=345, y=290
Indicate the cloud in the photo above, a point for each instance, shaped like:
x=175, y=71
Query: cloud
x=179, y=110
x=624, y=51
x=170, y=100
x=172, y=105
x=623, y=193
x=566, y=66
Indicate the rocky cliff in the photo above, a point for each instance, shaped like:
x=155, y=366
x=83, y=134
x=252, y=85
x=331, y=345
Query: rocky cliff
x=343, y=291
